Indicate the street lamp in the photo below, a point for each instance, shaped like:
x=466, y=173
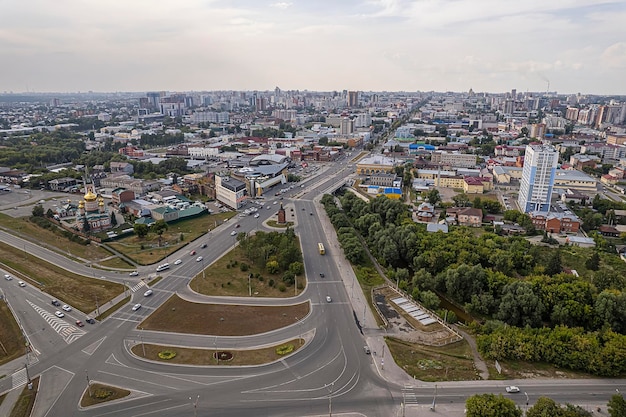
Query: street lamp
x=330, y=398
x=143, y=345
x=88, y=384
x=432, y=407
x=195, y=405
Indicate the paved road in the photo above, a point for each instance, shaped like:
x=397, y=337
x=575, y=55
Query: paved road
x=331, y=368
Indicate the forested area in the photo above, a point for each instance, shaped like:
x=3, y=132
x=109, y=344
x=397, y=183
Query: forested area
x=557, y=317
x=32, y=154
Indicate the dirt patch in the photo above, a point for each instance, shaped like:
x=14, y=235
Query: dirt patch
x=181, y=316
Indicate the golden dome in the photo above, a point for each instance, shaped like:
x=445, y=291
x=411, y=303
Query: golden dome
x=89, y=196
x=101, y=203
x=81, y=204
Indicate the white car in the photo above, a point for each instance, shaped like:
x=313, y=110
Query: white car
x=233, y=233
x=147, y=293
x=66, y=307
x=21, y=283
x=178, y=262
x=59, y=314
x=328, y=299
x=134, y=274
x=256, y=216
x=8, y=277
x=512, y=389
x=136, y=307
x=199, y=258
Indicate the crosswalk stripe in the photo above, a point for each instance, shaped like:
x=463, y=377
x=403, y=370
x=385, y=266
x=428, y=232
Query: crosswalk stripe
x=138, y=286
x=409, y=396
x=68, y=332
x=19, y=378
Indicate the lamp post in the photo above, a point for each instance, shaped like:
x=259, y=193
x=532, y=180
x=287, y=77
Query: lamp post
x=249, y=285
x=330, y=398
x=432, y=407
x=88, y=384
x=143, y=345
x=195, y=405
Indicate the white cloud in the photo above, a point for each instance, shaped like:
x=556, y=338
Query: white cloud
x=281, y=5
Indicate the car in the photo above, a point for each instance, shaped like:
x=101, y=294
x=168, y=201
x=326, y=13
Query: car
x=268, y=207
x=134, y=274
x=59, y=314
x=233, y=233
x=136, y=307
x=328, y=299
x=238, y=226
x=199, y=258
x=8, y=277
x=367, y=350
x=56, y=303
x=302, y=208
x=322, y=275
x=256, y=216
x=21, y=283
x=66, y=307
x=90, y=320
x=311, y=213
x=178, y=262
x=193, y=252
x=203, y=246
x=511, y=389
x=79, y=323
x=147, y=293
x=275, y=202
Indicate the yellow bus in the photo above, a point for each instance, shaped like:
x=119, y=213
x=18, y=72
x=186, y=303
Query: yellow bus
x=320, y=247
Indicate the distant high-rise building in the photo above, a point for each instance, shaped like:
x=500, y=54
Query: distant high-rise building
x=353, y=99
x=535, y=191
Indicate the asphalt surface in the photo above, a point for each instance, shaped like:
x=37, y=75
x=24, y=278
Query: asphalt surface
x=331, y=373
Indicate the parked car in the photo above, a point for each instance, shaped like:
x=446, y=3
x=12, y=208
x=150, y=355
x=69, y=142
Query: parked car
x=136, y=307
x=59, y=314
x=79, y=323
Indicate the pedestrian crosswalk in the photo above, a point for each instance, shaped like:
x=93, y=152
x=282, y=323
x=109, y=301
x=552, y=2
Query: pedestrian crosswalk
x=408, y=395
x=19, y=378
x=67, y=331
x=138, y=286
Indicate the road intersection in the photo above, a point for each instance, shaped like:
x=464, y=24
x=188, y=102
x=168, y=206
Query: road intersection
x=330, y=374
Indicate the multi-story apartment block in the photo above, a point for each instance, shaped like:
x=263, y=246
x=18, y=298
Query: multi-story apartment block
x=461, y=160
x=538, y=173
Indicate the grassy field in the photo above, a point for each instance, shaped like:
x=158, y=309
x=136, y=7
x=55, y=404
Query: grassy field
x=180, y=316
x=449, y=363
x=101, y=394
x=24, y=405
x=225, y=277
x=116, y=263
x=147, y=251
x=76, y=290
x=12, y=342
x=23, y=227
x=206, y=357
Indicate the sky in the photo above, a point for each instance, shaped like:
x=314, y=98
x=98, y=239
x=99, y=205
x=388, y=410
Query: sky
x=568, y=46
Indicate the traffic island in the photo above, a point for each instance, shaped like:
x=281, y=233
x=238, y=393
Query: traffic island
x=215, y=357
x=99, y=393
x=24, y=404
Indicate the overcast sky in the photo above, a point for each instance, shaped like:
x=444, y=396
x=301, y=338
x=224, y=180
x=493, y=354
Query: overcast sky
x=441, y=45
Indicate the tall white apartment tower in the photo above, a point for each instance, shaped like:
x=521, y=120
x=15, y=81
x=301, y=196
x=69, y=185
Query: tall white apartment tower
x=535, y=190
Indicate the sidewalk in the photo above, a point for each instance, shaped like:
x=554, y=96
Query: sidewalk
x=10, y=400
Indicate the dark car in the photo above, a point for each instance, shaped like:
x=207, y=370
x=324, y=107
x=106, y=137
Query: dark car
x=90, y=321
x=321, y=274
x=56, y=303
x=203, y=245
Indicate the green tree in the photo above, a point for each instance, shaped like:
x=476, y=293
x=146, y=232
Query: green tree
x=141, y=230
x=461, y=200
x=490, y=405
x=433, y=196
x=617, y=406
x=593, y=262
x=429, y=299
x=38, y=210
x=296, y=268
x=554, y=264
x=113, y=219
x=272, y=267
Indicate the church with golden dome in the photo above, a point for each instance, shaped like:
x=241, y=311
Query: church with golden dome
x=92, y=215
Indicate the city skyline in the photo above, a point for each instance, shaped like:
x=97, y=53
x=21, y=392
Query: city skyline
x=378, y=45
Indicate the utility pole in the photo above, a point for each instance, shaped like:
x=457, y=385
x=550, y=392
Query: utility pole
x=88, y=384
x=195, y=405
x=432, y=407
x=143, y=345
x=330, y=399
x=97, y=306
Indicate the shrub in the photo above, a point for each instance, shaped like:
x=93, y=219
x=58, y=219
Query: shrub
x=102, y=394
x=271, y=282
x=167, y=354
x=284, y=349
x=244, y=267
x=282, y=288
